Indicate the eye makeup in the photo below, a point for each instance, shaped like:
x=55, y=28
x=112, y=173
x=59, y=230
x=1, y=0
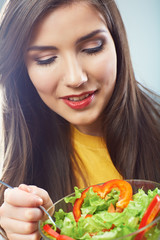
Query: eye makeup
x=45, y=61
x=98, y=45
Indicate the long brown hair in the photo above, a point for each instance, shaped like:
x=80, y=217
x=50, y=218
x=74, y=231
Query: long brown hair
x=37, y=141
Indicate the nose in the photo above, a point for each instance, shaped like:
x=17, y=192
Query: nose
x=74, y=75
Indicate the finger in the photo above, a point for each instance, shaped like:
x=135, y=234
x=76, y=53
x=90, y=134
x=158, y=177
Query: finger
x=20, y=213
x=33, y=236
x=18, y=227
x=19, y=198
x=43, y=194
x=25, y=187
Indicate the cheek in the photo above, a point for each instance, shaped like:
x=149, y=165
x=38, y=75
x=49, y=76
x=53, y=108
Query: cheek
x=110, y=73
x=43, y=80
x=105, y=71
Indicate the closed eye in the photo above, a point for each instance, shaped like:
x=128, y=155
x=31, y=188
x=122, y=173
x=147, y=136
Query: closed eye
x=45, y=61
x=94, y=50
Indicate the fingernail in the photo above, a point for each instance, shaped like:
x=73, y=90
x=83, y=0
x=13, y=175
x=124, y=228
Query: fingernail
x=29, y=189
x=39, y=200
x=7, y=190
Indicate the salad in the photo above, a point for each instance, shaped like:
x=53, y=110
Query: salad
x=106, y=212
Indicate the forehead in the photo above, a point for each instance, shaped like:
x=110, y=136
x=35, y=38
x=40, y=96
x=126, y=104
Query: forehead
x=78, y=17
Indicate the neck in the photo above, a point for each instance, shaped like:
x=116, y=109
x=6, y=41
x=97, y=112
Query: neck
x=93, y=129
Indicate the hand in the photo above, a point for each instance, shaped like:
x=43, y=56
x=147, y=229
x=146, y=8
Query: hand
x=20, y=212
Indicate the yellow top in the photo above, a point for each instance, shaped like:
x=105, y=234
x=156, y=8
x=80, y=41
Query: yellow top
x=93, y=156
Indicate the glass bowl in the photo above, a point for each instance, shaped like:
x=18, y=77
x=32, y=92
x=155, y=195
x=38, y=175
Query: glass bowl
x=136, y=184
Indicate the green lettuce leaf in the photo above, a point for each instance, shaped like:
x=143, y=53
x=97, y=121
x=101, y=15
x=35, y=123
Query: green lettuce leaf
x=72, y=199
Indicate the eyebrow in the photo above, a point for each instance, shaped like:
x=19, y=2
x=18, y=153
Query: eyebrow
x=90, y=35
x=41, y=48
x=45, y=48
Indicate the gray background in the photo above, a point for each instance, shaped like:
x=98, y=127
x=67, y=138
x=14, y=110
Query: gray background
x=142, y=21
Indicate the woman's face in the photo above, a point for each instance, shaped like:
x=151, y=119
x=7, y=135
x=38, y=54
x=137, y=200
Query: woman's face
x=71, y=61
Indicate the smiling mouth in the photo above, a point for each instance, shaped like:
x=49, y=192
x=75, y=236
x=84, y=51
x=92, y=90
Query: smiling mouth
x=80, y=98
x=79, y=101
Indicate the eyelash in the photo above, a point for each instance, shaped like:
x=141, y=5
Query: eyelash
x=89, y=51
x=47, y=61
x=94, y=50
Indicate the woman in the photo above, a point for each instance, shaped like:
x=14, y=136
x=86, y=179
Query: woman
x=67, y=79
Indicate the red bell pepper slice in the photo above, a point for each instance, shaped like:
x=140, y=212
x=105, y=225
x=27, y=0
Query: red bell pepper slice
x=47, y=228
x=102, y=190
x=64, y=237
x=149, y=215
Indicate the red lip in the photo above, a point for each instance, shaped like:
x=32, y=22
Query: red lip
x=80, y=103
